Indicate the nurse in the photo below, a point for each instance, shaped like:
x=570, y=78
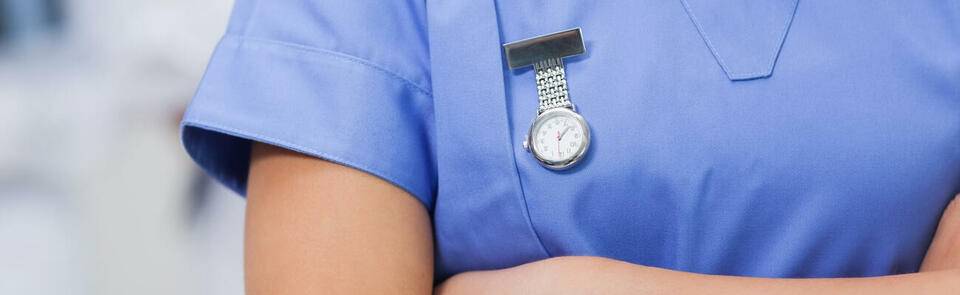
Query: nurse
x=380, y=145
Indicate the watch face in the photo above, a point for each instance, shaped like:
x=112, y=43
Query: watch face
x=559, y=138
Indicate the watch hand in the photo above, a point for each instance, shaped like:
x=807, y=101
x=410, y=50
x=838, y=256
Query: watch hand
x=558, y=141
x=564, y=132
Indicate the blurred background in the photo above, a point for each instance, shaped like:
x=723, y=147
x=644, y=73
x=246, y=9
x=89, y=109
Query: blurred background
x=97, y=195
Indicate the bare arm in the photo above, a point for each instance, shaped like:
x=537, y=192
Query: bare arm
x=593, y=275
x=315, y=227
x=944, y=252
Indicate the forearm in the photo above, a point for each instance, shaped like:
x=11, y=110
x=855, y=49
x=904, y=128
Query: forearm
x=594, y=275
x=618, y=277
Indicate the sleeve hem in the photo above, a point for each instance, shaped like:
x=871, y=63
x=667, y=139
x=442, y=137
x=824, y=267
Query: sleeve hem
x=253, y=136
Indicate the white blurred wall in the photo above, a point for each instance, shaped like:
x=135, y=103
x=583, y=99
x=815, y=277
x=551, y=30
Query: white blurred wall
x=93, y=180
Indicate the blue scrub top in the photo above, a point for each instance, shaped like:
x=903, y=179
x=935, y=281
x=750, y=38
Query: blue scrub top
x=752, y=138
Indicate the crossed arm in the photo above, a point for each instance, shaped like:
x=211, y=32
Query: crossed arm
x=315, y=227
x=939, y=274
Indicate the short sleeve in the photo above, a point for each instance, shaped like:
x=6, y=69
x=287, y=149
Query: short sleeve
x=346, y=81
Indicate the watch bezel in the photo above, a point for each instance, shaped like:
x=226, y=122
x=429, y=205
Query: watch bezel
x=580, y=152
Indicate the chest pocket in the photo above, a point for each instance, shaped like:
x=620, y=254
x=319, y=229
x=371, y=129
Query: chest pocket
x=745, y=36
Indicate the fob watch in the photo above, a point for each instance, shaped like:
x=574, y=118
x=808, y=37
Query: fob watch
x=559, y=137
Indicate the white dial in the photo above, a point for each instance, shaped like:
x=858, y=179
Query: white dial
x=559, y=137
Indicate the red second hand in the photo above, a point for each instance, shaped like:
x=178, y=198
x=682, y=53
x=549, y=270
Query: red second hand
x=558, y=142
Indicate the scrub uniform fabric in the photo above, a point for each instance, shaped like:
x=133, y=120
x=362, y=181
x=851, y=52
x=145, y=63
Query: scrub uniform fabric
x=749, y=138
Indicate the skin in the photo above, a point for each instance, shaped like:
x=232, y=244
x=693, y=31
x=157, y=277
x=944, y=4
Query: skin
x=315, y=227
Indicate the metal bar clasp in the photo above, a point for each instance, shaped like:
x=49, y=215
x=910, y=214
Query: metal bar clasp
x=556, y=45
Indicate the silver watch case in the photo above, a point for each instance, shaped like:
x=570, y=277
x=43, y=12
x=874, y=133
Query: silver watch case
x=530, y=145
